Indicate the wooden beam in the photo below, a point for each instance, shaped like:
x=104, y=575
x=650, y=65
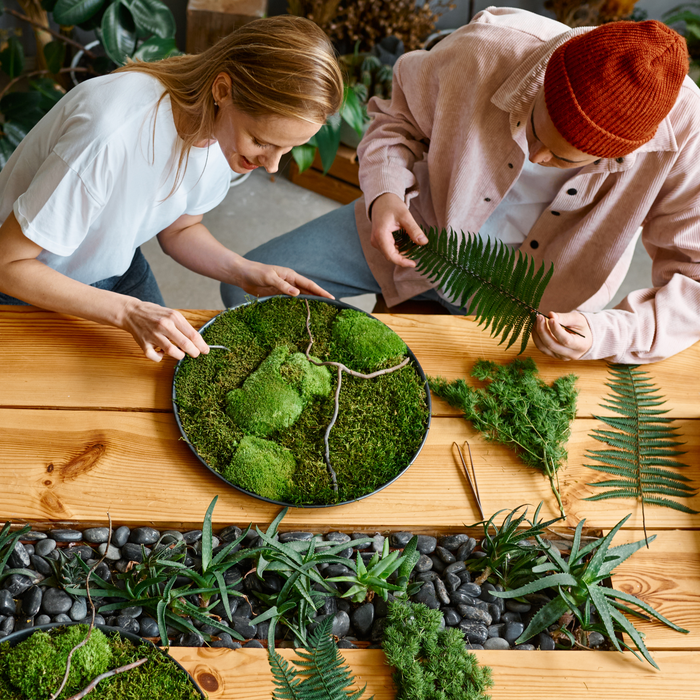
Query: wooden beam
x=77, y=465
x=244, y=674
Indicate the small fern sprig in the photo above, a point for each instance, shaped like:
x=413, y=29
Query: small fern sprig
x=505, y=285
x=321, y=673
x=644, y=445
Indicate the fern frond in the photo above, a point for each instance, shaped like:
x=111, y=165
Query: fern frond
x=286, y=679
x=504, y=287
x=643, y=443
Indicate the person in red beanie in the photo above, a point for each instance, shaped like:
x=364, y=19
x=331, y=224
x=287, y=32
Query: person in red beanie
x=565, y=143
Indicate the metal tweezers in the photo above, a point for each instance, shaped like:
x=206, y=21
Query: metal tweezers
x=470, y=476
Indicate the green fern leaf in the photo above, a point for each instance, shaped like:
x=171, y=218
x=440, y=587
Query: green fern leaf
x=643, y=442
x=504, y=287
x=286, y=679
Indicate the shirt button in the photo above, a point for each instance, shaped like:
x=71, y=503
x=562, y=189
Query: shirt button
x=619, y=160
x=534, y=244
x=556, y=213
x=572, y=191
x=518, y=124
x=487, y=199
x=510, y=165
x=595, y=162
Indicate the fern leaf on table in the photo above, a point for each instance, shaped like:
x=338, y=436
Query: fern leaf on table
x=505, y=284
x=645, y=445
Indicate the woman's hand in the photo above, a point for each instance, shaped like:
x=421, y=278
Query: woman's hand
x=160, y=331
x=389, y=214
x=265, y=280
x=555, y=341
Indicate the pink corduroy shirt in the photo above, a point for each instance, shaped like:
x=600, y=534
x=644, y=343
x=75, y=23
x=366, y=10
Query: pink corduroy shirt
x=451, y=142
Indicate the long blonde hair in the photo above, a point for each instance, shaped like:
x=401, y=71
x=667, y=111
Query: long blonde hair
x=279, y=66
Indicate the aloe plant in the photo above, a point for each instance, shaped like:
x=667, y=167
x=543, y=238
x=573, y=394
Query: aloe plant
x=8, y=541
x=579, y=583
x=373, y=578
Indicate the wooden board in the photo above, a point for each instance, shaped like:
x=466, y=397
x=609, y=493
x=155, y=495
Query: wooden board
x=327, y=185
x=56, y=361
x=80, y=464
x=667, y=577
x=244, y=674
x=211, y=20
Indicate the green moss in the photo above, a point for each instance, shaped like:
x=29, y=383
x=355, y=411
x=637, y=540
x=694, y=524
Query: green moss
x=263, y=467
x=364, y=343
x=266, y=402
x=311, y=381
x=158, y=679
x=37, y=665
x=381, y=422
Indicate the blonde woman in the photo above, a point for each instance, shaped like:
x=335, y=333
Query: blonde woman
x=145, y=152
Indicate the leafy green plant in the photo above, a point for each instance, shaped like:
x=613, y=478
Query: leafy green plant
x=430, y=663
x=373, y=578
x=579, y=582
x=519, y=410
x=127, y=30
x=644, y=445
x=508, y=558
x=151, y=584
x=505, y=285
x=321, y=673
x=304, y=589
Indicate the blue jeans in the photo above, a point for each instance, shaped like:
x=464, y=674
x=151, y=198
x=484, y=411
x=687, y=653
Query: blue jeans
x=138, y=281
x=327, y=250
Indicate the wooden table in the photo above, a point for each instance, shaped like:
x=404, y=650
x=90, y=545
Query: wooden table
x=86, y=428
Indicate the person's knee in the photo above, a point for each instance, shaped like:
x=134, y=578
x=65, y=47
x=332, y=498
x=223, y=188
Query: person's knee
x=232, y=295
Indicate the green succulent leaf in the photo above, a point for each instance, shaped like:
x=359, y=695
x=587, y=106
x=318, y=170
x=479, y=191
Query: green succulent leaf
x=155, y=48
x=328, y=140
x=152, y=16
x=304, y=155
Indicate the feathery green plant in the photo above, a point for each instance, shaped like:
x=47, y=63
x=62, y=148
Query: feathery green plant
x=431, y=663
x=506, y=285
x=579, y=580
x=321, y=672
x=643, y=443
x=519, y=410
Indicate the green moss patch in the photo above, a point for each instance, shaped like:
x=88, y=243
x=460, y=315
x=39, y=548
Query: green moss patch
x=34, y=668
x=263, y=467
x=363, y=343
x=381, y=421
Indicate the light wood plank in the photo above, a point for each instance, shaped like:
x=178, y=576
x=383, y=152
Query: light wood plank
x=244, y=674
x=134, y=465
x=667, y=577
x=60, y=361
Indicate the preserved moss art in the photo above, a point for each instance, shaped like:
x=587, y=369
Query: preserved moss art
x=33, y=669
x=265, y=388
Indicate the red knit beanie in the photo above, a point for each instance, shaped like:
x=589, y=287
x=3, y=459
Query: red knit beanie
x=608, y=90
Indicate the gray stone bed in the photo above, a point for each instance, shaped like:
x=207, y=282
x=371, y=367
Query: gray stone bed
x=487, y=622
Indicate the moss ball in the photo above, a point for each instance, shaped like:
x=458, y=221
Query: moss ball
x=263, y=467
x=37, y=665
x=364, y=343
x=266, y=402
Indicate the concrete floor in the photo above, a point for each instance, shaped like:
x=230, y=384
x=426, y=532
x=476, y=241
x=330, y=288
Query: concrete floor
x=265, y=206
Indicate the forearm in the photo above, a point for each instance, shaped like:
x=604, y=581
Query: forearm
x=35, y=283
x=196, y=249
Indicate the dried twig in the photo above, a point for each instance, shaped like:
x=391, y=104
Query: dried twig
x=106, y=674
x=341, y=368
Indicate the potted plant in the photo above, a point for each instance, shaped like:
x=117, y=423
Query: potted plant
x=141, y=30
x=303, y=401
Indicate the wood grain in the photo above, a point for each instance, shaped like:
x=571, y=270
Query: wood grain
x=51, y=360
x=667, y=577
x=77, y=465
x=244, y=674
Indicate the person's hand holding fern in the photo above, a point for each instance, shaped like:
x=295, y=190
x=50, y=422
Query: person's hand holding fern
x=389, y=213
x=551, y=338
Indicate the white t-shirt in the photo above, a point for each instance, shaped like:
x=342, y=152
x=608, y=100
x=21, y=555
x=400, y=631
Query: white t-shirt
x=533, y=191
x=90, y=182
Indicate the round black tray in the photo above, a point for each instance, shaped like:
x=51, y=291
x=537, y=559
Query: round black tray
x=341, y=305
x=21, y=635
